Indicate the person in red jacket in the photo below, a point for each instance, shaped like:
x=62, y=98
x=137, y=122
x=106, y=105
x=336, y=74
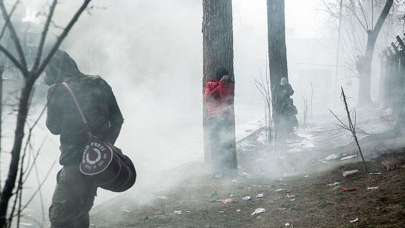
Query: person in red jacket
x=218, y=96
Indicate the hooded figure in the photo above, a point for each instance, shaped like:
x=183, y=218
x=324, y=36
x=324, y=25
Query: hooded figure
x=74, y=193
x=285, y=89
x=286, y=110
x=61, y=68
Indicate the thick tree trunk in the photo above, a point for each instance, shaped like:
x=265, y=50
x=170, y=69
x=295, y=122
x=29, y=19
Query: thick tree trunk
x=1, y=116
x=366, y=61
x=1, y=111
x=384, y=65
x=218, y=53
x=277, y=49
x=389, y=85
x=400, y=93
x=365, y=72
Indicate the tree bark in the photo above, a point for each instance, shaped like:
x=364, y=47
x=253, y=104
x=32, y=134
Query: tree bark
x=1, y=115
x=1, y=108
x=217, y=31
x=384, y=69
x=366, y=61
x=277, y=49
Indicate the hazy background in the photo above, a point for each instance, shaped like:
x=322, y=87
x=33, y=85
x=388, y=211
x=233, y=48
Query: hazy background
x=151, y=54
x=150, y=51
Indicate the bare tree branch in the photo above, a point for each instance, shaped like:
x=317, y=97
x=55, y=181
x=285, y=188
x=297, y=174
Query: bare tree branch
x=350, y=127
x=353, y=10
x=3, y=30
x=44, y=34
x=383, y=16
x=24, y=105
x=12, y=212
x=14, y=36
x=363, y=12
x=39, y=186
x=353, y=130
x=41, y=198
x=61, y=38
x=30, y=168
x=341, y=123
x=372, y=14
x=329, y=10
x=12, y=58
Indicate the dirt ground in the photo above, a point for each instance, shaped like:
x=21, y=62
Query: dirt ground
x=324, y=200
x=313, y=192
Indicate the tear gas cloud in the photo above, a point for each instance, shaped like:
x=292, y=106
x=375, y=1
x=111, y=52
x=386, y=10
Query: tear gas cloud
x=151, y=54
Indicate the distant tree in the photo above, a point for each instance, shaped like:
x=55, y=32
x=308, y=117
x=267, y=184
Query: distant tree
x=360, y=16
x=365, y=61
x=217, y=31
x=30, y=73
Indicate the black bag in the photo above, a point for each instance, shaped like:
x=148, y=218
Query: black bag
x=107, y=166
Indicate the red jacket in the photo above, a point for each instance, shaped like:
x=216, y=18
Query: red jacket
x=218, y=97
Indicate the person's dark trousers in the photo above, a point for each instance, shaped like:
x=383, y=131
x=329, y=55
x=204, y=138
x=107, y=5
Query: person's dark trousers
x=72, y=200
x=219, y=141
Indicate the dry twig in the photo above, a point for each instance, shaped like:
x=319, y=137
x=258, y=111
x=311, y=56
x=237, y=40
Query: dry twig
x=351, y=127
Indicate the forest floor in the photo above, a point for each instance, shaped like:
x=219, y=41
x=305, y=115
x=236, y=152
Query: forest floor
x=313, y=195
x=325, y=200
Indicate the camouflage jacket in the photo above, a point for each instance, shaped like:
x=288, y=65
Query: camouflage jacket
x=283, y=99
x=99, y=105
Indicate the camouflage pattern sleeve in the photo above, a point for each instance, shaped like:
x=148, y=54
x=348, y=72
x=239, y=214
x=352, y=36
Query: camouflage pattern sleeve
x=54, y=111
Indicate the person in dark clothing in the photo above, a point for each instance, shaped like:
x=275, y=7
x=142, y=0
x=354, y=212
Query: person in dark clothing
x=285, y=108
x=285, y=89
x=74, y=194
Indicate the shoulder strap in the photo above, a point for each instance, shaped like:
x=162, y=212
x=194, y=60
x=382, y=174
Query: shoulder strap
x=76, y=103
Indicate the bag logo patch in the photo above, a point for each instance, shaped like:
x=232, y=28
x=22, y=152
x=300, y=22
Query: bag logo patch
x=96, y=158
